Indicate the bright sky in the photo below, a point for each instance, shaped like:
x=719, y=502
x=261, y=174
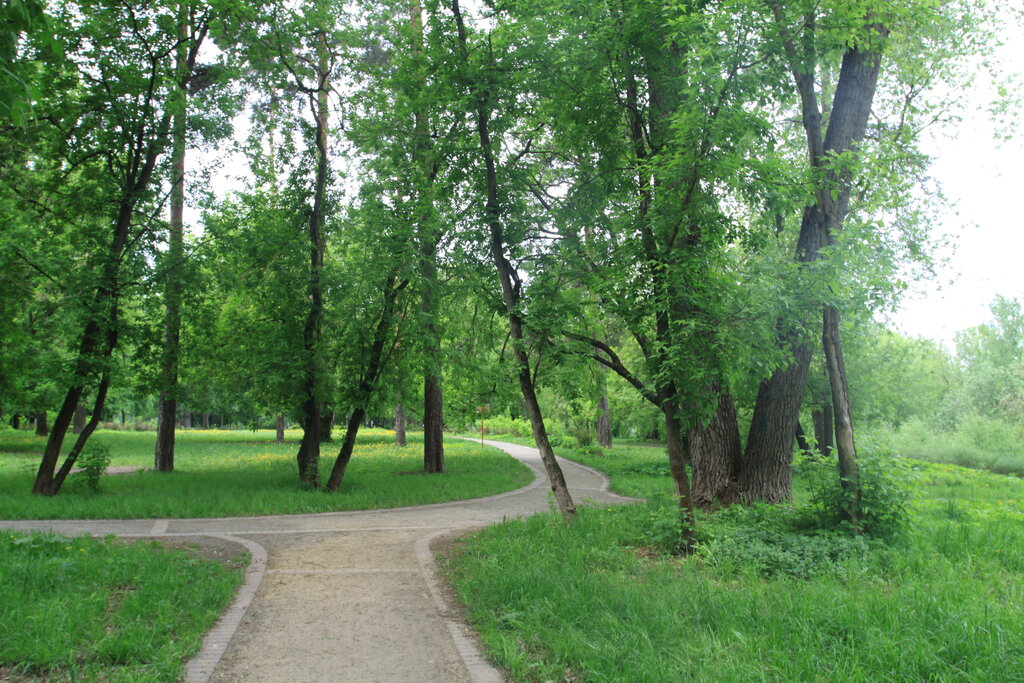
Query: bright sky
x=984, y=178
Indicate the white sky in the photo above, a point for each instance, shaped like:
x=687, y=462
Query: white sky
x=984, y=178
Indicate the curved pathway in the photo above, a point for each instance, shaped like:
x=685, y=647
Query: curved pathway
x=347, y=596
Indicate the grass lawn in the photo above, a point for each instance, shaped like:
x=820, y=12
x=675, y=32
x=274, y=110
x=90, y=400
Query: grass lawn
x=237, y=473
x=82, y=609
x=764, y=598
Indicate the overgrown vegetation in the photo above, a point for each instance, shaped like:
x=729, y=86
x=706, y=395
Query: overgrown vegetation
x=771, y=593
x=225, y=473
x=86, y=609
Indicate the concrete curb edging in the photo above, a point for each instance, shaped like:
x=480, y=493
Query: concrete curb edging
x=479, y=669
x=200, y=668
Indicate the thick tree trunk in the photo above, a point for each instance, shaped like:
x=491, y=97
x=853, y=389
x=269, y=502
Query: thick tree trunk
x=280, y=428
x=400, y=424
x=80, y=419
x=308, y=456
x=765, y=469
x=604, y=424
x=41, y=427
x=433, y=425
x=823, y=429
x=427, y=233
x=163, y=457
x=849, y=474
x=715, y=455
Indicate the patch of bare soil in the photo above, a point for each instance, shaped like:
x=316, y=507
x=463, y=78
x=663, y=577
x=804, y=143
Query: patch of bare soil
x=231, y=555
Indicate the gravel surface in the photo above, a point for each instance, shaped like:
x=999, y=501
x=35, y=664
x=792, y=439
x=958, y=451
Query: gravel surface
x=347, y=596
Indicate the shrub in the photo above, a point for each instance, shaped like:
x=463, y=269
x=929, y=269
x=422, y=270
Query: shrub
x=884, y=481
x=93, y=462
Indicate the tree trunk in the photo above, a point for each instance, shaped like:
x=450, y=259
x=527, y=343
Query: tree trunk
x=80, y=419
x=849, y=475
x=399, y=424
x=433, y=425
x=327, y=431
x=311, y=418
x=427, y=233
x=347, y=446
x=205, y=423
x=16, y=421
x=680, y=477
x=801, y=439
x=604, y=424
x=510, y=291
x=41, y=427
x=280, y=428
x=765, y=469
x=186, y=419
x=822, y=419
x=715, y=455
x=163, y=457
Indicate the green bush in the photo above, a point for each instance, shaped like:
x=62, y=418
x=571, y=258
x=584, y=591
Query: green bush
x=885, y=489
x=93, y=462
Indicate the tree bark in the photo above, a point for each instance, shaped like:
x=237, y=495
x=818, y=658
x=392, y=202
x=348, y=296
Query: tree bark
x=765, y=468
x=163, y=457
x=681, y=479
x=801, y=439
x=849, y=474
x=604, y=423
x=205, y=423
x=715, y=455
x=823, y=429
x=16, y=421
x=399, y=424
x=280, y=428
x=311, y=417
x=80, y=419
x=510, y=291
x=427, y=232
x=368, y=383
x=41, y=427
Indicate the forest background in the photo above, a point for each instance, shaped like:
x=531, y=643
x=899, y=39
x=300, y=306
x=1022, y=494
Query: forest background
x=636, y=221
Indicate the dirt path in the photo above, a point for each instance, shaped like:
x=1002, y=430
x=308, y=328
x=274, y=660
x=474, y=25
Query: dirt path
x=347, y=596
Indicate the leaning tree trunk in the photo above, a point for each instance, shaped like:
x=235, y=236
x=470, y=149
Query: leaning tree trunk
x=715, y=455
x=849, y=475
x=163, y=457
x=510, y=292
x=604, y=423
x=680, y=477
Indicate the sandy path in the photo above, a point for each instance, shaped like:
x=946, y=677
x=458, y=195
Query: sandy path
x=347, y=596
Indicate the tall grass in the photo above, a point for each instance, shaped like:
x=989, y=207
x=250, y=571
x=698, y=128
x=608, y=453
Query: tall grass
x=229, y=473
x=978, y=442
x=84, y=609
x=763, y=598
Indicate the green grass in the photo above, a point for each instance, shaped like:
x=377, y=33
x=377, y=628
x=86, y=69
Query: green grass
x=85, y=609
x=979, y=443
x=763, y=598
x=237, y=473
